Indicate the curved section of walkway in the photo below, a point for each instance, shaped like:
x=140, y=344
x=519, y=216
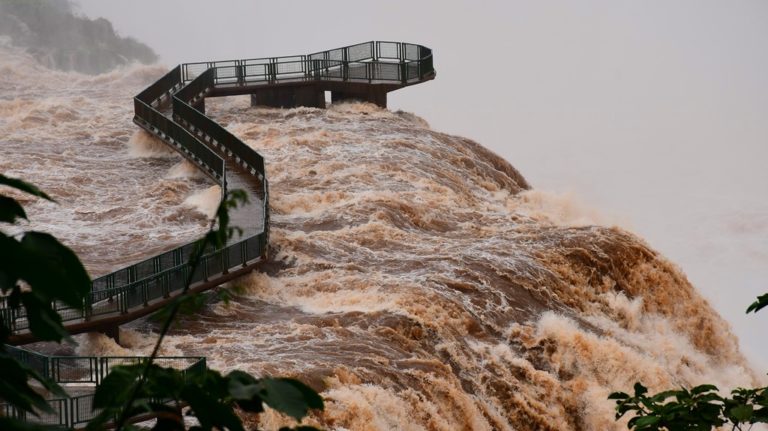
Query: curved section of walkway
x=173, y=109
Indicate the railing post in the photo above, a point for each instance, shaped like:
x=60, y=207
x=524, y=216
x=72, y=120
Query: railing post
x=88, y=306
x=124, y=301
x=273, y=70
x=369, y=72
x=344, y=64
x=224, y=253
x=204, y=264
x=239, y=72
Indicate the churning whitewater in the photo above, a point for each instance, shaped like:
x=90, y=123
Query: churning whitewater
x=425, y=285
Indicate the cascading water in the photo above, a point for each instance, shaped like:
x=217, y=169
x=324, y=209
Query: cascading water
x=426, y=286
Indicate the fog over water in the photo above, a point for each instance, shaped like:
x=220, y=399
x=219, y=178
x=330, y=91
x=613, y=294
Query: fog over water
x=652, y=113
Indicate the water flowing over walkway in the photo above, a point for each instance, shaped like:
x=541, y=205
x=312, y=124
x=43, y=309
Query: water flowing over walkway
x=173, y=109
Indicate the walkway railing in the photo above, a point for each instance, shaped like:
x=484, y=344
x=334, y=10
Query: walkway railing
x=167, y=109
x=82, y=373
x=371, y=62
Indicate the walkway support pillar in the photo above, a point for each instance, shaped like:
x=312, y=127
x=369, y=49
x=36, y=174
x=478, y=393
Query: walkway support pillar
x=112, y=332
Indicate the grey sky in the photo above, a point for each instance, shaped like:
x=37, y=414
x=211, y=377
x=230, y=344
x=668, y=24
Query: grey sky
x=655, y=112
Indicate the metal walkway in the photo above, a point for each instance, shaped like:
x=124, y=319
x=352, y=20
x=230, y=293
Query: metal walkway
x=173, y=109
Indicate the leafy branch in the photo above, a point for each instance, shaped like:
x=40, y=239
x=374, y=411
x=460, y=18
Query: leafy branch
x=36, y=271
x=700, y=408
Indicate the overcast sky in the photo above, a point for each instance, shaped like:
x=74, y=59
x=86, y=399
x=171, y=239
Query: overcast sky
x=653, y=112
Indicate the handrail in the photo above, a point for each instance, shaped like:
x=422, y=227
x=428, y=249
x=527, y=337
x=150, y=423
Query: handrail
x=155, y=286
x=206, y=144
x=403, y=63
x=89, y=370
x=169, y=109
x=199, y=138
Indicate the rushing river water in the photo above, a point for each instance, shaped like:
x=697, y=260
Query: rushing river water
x=426, y=287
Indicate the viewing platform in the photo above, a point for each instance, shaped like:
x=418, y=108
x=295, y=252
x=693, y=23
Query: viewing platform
x=173, y=110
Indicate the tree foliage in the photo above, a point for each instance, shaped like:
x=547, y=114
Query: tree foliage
x=36, y=271
x=697, y=409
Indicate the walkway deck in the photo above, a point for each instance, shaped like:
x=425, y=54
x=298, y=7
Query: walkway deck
x=173, y=109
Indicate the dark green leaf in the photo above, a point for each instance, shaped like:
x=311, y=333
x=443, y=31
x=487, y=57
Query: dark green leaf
x=14, y=387
x=742, y=413
x=618, y=396
x=116, y=387
x=762, y=302
x=10, y=250
x=210, y=411
x=703, y=388
x=44, y=321
x=647, y=421
x=24, y=187
x=640, y=389
x=242, y=386
x=290, y=396
x=53, y=270
x=11, y=210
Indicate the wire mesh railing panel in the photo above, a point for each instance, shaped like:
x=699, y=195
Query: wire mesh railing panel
x=386, y=72
x=81, y=410
x=235, y=254
x=317, y=56
x=334, y=72
x=253, y=247
x=133, y=296
x=358, y=71
x=227, y=74
x=360, y=52
x=178, y=363
x=106, y=302
x=411, y=51
x=388, y=50
x=9, y=411
x=34, y=360
x=68, y=313
x=256, y=72
x=199, y=274
x=335, y=54
x=412, y=71
x=74, y=369
x=143, y=269
x=20, y=324
x=107, y=363
x=213, y=264
x=225, y=63
x=156, y=287
x=88, y=371
x=290, y=69
x=193, y=70
x=59, y=416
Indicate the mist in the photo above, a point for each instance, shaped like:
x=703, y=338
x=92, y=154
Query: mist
x=651, y=112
